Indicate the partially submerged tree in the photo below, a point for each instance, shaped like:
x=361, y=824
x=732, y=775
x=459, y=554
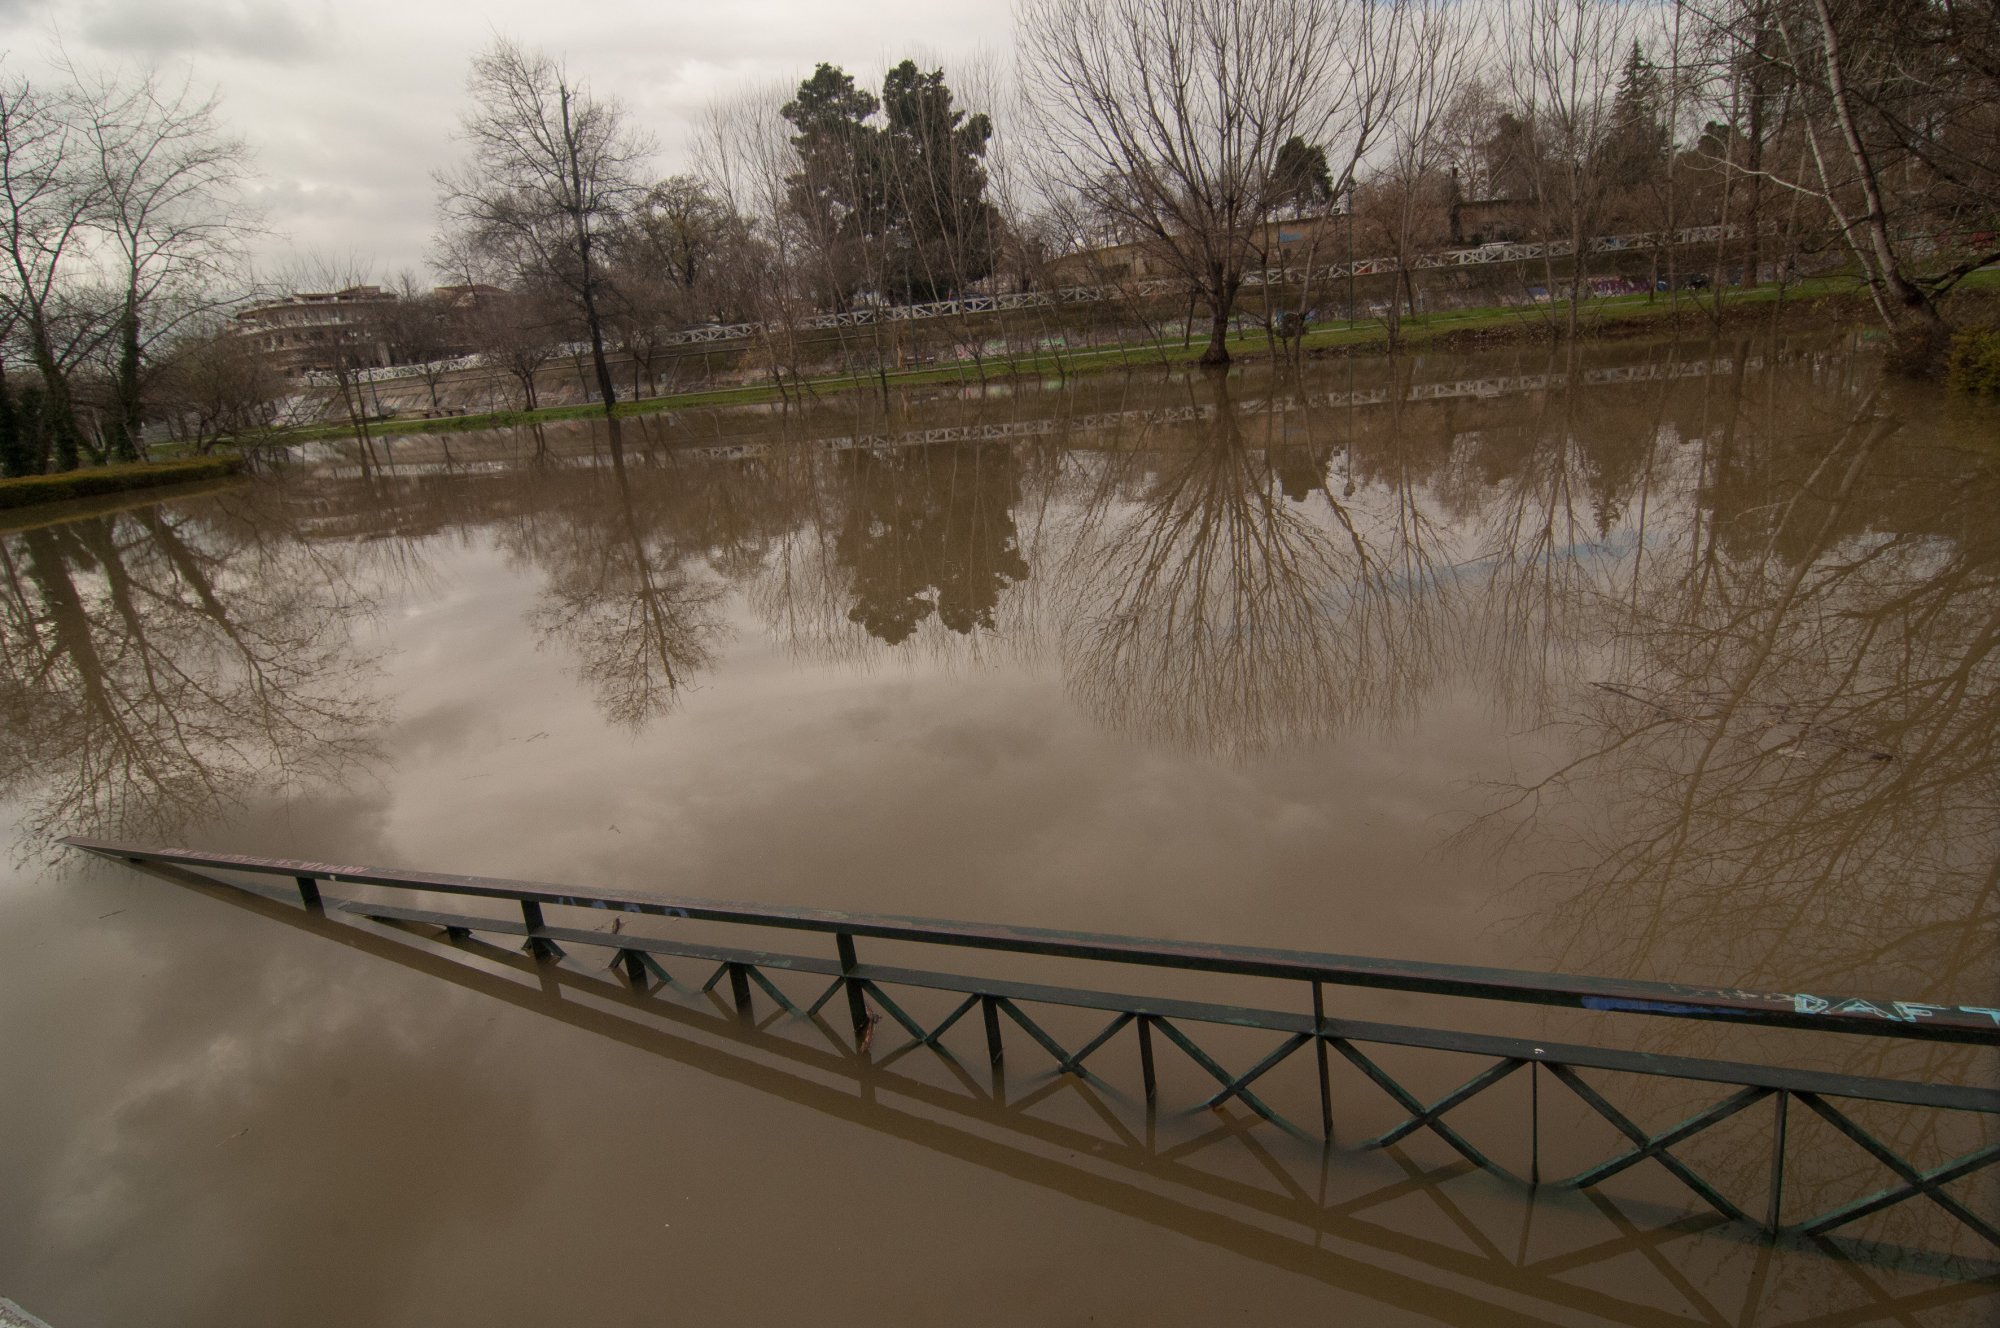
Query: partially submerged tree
x=552, y=169
x=1897, y=111
x=167, y=185
x=46, y=201
x=1169, y=116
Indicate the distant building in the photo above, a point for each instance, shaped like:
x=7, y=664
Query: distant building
x=471, y=297
x=318, y=331
x=302, y=333
x=1283, y=243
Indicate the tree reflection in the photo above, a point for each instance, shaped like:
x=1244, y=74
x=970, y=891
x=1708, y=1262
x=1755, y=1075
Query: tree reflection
x=1792, y=751
x=626, y=596
x=1217, y=611
x=161, y=663
x=929, y=531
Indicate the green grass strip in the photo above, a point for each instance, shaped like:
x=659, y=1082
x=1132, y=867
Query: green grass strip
x=1598, y=314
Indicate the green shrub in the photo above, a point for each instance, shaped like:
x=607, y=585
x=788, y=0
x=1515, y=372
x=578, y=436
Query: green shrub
x=1974, y=364
x=112, y=479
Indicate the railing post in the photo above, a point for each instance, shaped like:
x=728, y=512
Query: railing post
x=990, y=1008
x=857, y=1007
x=309, y=892
x=1775, y=1210
x=1319, y=1045
x=531, y=914
x=1535, y=1123
x=739, y=987
x=635, y=967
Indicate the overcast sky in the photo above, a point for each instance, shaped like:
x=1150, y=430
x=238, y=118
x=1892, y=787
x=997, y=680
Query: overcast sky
x=351, y=105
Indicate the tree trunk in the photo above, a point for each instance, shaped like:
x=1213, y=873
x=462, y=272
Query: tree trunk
x=1217, y=352
x=1889, y=277
x=1221, y=299
x=126, y=411
x=13, y=448
x=58, y=412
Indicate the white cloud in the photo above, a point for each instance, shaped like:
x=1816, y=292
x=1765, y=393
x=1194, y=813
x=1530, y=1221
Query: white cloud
x=256, y=29
x=351, y=107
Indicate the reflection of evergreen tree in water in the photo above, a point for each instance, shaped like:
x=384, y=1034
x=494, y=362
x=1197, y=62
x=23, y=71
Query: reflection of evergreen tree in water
x=930, y=531
x=158, y=666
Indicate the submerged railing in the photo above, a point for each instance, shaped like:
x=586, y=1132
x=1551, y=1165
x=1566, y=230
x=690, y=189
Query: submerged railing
x=638, y=959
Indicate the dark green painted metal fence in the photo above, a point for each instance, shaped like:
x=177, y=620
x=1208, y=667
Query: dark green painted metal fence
x=1004, y=1005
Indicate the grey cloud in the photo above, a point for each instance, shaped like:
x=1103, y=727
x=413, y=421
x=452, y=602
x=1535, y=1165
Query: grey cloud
x=257, y=29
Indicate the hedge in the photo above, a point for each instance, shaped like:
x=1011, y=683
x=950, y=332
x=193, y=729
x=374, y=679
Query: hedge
x=33, y=489
x=1974, y=363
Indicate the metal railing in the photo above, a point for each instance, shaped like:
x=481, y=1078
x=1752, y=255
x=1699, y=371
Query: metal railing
x=1003, y=1005
x=714, y=333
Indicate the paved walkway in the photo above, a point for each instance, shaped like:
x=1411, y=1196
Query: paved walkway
x=13, y=1316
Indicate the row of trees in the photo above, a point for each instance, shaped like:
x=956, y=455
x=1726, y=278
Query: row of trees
x=1185, y=128
x=1182, y=131
x=122, y=225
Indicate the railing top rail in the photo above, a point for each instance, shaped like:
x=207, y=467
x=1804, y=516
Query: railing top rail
x=1887, y=1018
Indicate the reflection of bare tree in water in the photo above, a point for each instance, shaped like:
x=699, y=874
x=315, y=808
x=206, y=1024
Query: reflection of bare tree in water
x=1798, y=737
x=1788, y=761
x=629, y=599
x=1569, y=495
x=1217, y=612
x=158, y=664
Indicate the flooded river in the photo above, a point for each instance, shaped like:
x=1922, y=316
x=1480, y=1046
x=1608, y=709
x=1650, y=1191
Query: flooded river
x=1659, y=661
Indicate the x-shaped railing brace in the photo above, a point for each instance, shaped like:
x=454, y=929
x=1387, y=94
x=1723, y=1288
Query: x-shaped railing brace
x=1930, y=1183
x=1657, y=1146
x=1430, y=1117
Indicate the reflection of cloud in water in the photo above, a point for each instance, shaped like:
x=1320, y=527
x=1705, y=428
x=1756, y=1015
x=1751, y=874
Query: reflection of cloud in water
x=161, y=663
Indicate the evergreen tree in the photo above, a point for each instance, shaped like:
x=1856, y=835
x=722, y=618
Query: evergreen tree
x=1303, y=178
x=1636, y=144
x=934, y=155
x=897, y=206
x=837, y=191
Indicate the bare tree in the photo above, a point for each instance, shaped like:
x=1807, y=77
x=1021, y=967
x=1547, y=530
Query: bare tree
x=167, y=186
x=424, y=332
x=665, y=259
x=1410, y=186
x=46, y=200
x=1898, y=111
x=1168, y=116
x=747, y=160
x=552, y=167
x=519, y=335
x=211, y=384
x=1562, y=69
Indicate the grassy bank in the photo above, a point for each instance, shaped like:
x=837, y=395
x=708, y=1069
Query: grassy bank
x=1822, y=303
x=35, y=489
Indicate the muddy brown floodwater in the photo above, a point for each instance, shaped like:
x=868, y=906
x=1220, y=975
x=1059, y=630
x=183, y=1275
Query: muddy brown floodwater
x=1662, y=661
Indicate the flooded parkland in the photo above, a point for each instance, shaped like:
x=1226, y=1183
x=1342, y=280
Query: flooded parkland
x=1669, y=662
